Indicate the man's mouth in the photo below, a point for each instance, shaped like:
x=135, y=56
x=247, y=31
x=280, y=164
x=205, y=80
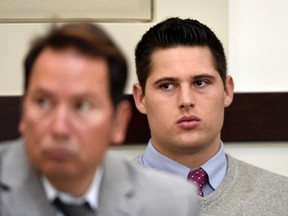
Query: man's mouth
x=188, y=122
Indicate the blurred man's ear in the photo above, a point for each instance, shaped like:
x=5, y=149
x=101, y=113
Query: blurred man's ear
x=121, y=122
x=21, y=125
x=139, y=98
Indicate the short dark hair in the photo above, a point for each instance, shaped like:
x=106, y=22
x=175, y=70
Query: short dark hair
x=89, y=40
x=174, y=32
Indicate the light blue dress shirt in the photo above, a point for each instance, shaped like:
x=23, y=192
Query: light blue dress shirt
x=215, y=168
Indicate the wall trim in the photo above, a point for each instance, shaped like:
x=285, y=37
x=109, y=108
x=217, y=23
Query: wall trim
x=252, y=117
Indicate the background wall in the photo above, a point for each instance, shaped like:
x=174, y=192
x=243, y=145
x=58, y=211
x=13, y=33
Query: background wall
x=258, y=45
x=227, y=24
x=14, y=38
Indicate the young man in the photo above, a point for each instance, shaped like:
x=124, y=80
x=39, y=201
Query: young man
x=183, y=89
x=72, y=111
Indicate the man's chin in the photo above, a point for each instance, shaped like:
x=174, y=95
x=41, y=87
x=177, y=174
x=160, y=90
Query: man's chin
x=57, y=170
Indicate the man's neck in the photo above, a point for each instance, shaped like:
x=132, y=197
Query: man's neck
x=192, y=158
x=76, y=186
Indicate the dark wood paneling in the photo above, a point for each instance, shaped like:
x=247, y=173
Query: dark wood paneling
x=9, y=117
x=251, y=117
x=257, y=117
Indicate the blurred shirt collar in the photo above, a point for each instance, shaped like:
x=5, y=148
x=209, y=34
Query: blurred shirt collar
x=91, y=196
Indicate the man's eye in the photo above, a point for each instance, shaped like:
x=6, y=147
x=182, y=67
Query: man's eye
x=43, y=102
x=167, y=86
x=200, y=83
x=83, y=105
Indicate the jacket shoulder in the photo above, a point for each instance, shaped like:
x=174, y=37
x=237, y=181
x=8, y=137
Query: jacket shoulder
x=157, y=191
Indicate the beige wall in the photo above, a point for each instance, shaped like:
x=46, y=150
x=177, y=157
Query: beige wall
x=14, y=38
x=258, y=45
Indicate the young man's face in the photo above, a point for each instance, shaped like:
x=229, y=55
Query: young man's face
x=68, y=117
x=184, y=101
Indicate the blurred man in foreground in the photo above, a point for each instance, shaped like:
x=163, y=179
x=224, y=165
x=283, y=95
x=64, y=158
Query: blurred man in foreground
x=73, y=110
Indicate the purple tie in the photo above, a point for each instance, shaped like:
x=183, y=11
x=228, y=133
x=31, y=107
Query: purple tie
x=199, y=177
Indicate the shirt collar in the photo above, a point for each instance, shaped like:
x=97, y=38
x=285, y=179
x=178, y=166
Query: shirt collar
x=215, y=167
x=91, y=196
x=153, y=159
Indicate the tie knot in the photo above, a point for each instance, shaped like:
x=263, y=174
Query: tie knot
x=199, y=177
x=72, y=209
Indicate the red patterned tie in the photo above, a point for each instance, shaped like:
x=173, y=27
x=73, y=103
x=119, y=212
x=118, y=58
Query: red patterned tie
x=199, y=177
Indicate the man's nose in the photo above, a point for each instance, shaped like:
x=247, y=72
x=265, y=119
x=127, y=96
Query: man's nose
x=186, y=98
x=60, y=121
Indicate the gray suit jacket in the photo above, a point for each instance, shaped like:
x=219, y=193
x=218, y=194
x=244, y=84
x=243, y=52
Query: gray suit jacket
x=125, y=189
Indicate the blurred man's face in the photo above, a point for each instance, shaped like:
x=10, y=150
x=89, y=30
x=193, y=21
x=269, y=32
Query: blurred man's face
x=67, y=120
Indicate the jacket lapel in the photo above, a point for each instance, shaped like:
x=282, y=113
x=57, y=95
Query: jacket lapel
x=117, y=189
x=24, y=194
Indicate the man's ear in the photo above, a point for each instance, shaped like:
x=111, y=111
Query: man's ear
x=21, y=125
x=229, y=91
x=139, y=98
x=121, y=122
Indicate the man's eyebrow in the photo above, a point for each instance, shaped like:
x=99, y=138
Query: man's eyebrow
x=86, y=96
x=173, y=79
x=165, y=79
x=46, y=92
x=202, y=76
x=41, y=91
